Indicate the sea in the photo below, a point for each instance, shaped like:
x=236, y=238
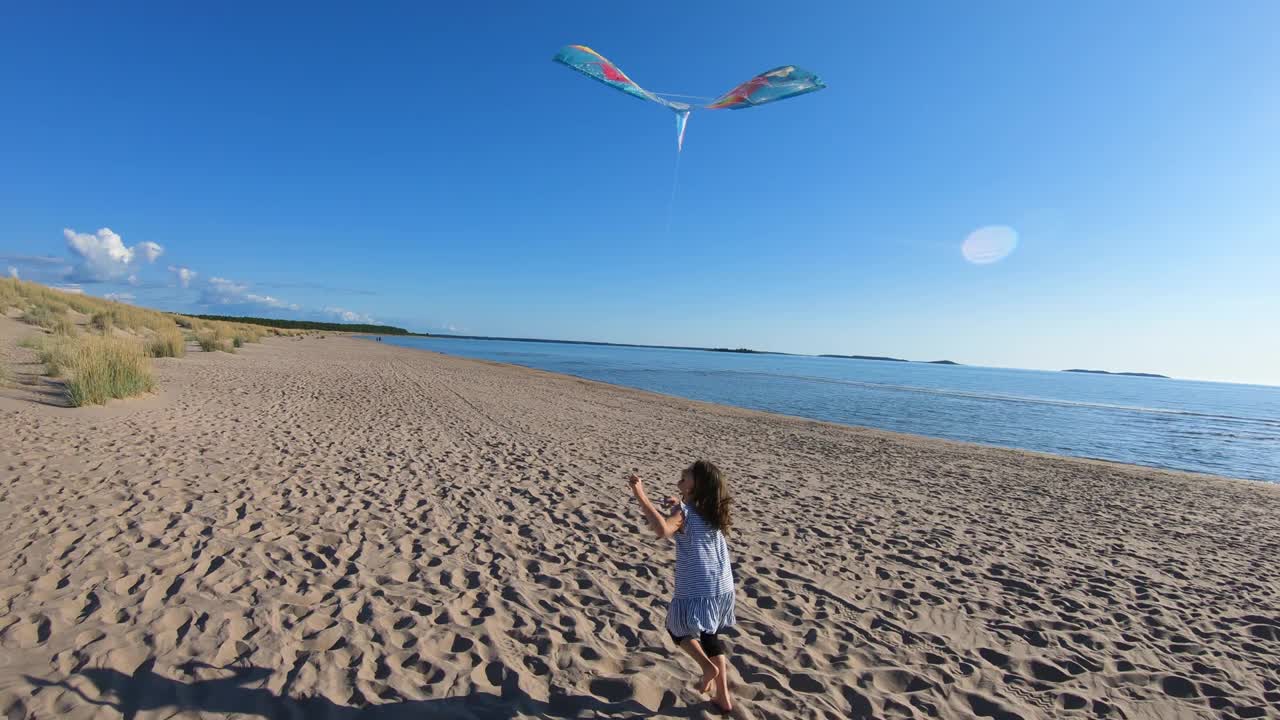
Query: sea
x=1219, y=428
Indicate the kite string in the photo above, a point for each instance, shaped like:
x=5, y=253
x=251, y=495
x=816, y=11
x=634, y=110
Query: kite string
x=675, y=182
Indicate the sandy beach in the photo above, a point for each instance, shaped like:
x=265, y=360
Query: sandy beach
x=338, y=528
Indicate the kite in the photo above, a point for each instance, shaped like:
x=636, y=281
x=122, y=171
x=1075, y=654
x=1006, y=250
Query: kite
x=779, y=83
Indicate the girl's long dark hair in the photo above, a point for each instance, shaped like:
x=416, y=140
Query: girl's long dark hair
x=710, y=494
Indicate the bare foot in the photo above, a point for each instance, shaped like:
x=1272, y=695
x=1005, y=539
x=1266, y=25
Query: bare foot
x=708, y=680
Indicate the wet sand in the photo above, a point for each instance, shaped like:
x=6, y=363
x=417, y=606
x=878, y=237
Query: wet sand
x=338, y=528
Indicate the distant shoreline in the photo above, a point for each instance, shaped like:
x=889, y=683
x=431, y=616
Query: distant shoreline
x=741, y=351
x=883, y=358
x=1108, y=372
x=749, y=351
x=401, y=332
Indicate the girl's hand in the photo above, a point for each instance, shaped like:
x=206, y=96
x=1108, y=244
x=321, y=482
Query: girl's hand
x=637, y=485
x=670, y=502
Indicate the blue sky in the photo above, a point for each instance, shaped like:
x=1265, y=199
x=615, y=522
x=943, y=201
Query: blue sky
x=434, y=169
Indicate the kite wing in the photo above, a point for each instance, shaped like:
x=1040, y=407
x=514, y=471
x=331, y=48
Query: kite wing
x=777, y=84
x=594, y=65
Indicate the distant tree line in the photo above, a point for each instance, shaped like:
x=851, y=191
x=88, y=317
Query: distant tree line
x=309, y=325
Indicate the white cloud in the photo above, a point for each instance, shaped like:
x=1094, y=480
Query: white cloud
x=13, y=272
x=227, y=287
x=119, y=297
x=269, y=301
x=221, y=291
x=73, y=288
x=103, y=255
x=149, y=250
x=349, y=315
x=185, y=274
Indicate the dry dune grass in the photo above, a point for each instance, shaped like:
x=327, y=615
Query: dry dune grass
x=132, y=318
x=64, y=326
x=47, y=304
x=103, y=322
x=55, y=352
x=167, y=343
x=9, y=295
x=104, y=367
x=28, y=295
x=110, y=359
x=45, y=316
x=96, y=368
x=217, y=335
x=214, y=339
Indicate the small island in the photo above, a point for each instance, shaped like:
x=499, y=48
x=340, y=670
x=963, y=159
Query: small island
x=740, y=350
x=866, y=357
x=1107, y=372
x=883, y=358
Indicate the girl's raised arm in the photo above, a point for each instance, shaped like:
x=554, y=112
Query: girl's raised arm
x=662, y=526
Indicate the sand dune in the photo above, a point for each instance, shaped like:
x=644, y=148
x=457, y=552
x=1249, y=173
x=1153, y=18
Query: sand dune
x=337, y=528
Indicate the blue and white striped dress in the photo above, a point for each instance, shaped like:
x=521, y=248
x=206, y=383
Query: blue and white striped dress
x=703, y=599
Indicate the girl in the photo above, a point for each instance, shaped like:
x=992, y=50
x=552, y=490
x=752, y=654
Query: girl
x=702, y=604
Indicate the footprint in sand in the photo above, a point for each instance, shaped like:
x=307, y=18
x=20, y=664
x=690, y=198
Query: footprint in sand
x=51, y=582
x=897, y=680
x=128, y=584
x=173, y=627
x=431, y=674
x=29, y=632
x=804, y=682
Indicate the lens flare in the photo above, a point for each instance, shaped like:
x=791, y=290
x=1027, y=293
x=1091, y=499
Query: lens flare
x=989, y=244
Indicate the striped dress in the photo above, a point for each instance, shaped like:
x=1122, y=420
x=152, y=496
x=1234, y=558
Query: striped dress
x=703, y=599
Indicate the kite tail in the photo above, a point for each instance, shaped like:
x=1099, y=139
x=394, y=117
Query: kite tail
x=682, y=122
x=675, y=183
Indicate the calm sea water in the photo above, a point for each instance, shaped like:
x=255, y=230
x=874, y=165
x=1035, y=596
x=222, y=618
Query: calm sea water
x=1218, y=428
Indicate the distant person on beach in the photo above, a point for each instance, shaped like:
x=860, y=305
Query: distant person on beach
x=702, y=604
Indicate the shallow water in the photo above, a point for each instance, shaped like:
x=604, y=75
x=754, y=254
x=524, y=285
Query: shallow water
x=1218, y=428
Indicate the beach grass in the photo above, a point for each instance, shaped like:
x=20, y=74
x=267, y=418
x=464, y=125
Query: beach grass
x=46, y=307
x=55, y=352
x=63, y=325
x=103, y=322
x=113, y=361
x=167, y=343
x=101, y=367
x=10, y=295
x=127, y=317
x=214, y=339
x=42, y=316
x=45, y=315
x=41, y=305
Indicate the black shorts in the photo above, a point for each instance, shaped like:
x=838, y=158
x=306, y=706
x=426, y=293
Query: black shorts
x=710, y=642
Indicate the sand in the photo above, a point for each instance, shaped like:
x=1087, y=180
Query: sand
x=337, y=528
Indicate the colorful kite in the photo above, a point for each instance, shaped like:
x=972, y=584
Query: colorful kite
x=777, y=84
